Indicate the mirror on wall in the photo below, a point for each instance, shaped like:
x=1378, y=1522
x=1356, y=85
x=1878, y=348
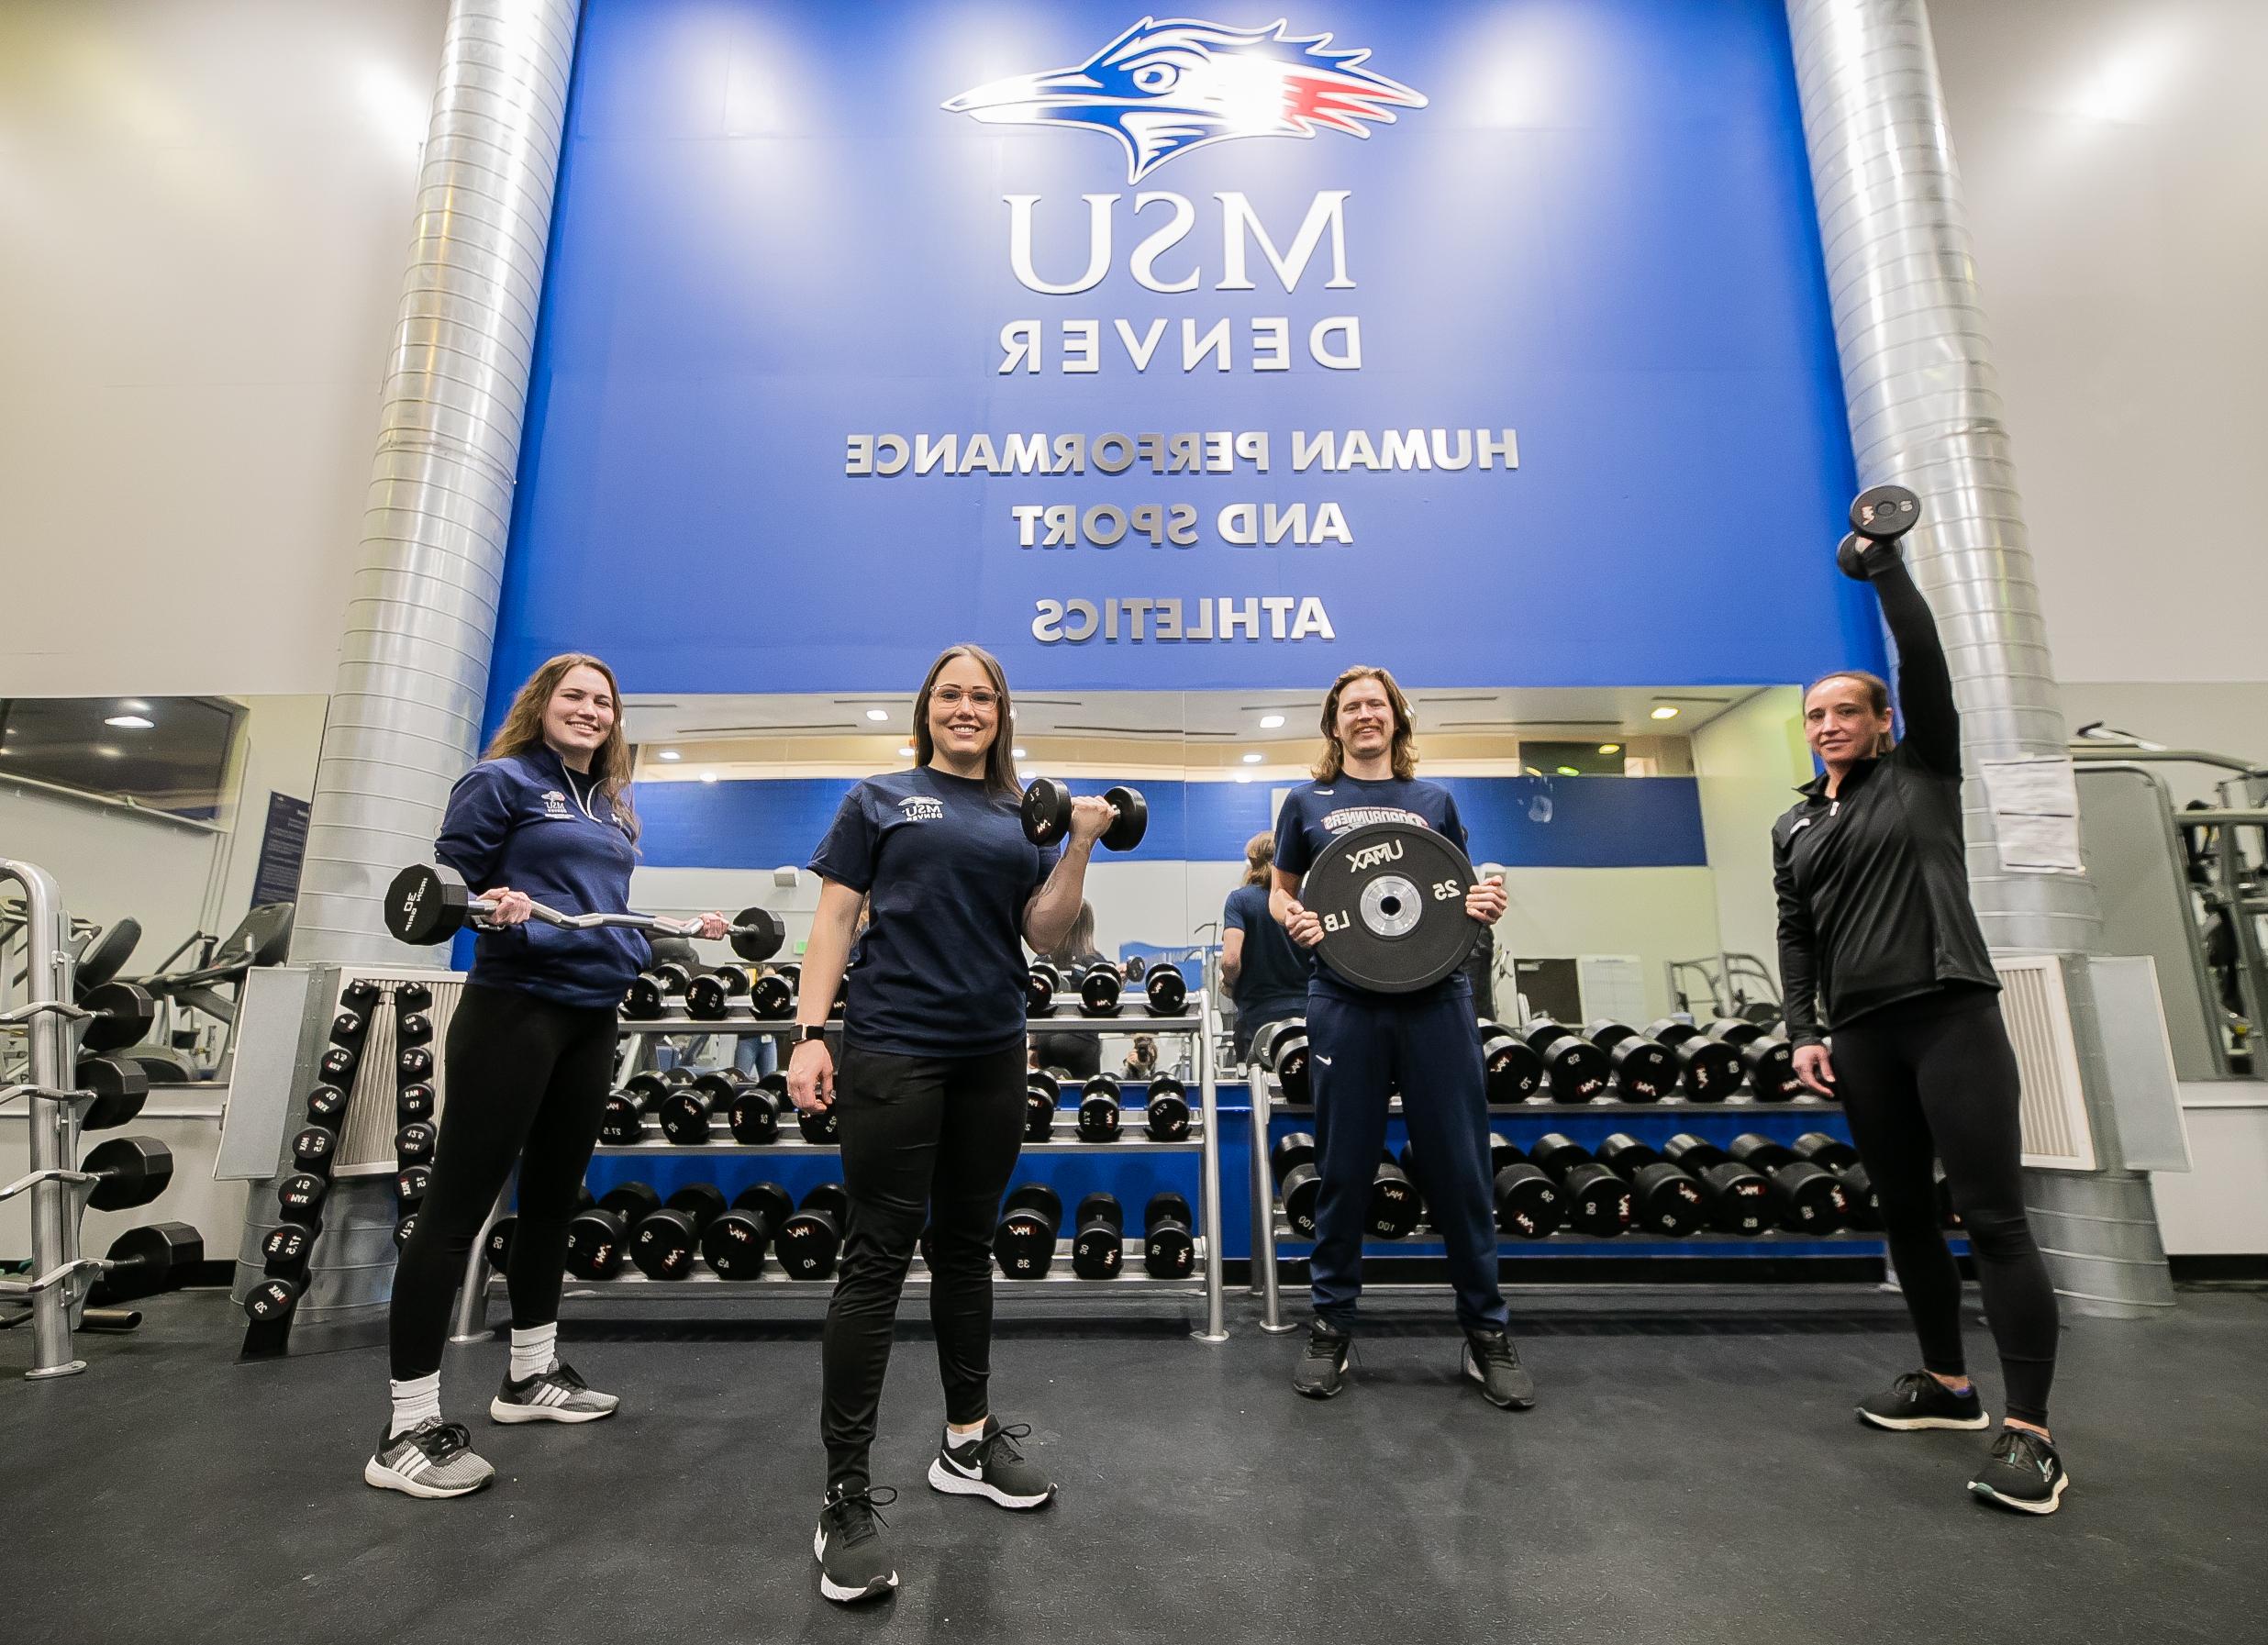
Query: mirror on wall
x=175, y=827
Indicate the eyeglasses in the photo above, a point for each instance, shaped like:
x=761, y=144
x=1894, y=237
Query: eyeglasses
x=952, y=697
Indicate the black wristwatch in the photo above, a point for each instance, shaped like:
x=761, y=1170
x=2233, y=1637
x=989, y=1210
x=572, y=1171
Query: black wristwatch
x=806, y=1032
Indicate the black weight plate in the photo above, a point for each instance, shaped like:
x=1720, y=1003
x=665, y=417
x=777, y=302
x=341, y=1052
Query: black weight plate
x=758, y=934
x=1391, y=898
x=1883, y=512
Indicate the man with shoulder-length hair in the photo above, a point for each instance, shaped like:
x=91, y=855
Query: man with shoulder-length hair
x=1362, y=1045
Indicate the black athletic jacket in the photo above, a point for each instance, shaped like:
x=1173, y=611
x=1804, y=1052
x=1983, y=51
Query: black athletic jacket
x=1874, y=885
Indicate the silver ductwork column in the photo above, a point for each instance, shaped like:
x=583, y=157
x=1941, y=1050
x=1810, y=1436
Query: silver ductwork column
x=413, y=669
x=1925, y=411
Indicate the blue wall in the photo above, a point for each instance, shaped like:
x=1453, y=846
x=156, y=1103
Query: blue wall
x=1521, y=822
x=1598, y=231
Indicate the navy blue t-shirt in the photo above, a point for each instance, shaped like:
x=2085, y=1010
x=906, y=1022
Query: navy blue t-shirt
x=1272, y=974
x=1314, y=814
x=941, y=970
x=527, y=823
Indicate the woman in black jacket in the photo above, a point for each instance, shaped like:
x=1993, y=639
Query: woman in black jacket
x=1877, y=933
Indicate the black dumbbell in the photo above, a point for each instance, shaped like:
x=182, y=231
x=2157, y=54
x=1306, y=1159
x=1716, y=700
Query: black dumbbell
x=1099, y=1118
x=667, y=1240
x=1598, y=1202
x=623, y=1120
x=1769, y=1060
x=413, y=1027
x=413, y=1144
x=1395, y=1207
x=756, y=1106
x=1644, y=1071
x=1098, y=1245
x=1740, y=1198
x=123, y=1014
x=1809, y=1198
x=1861, y=1207
x=653, y=992
x=1041, y=983
x=648, y=1089
x=1576, y=1071
x=1709, y=1071
x=411, y=1184
x=1513, y=1070
x=498, y=1245
x=734, y=1244
x=1664, y=1199
x=361, y=994
x=414, y=1065
x=1166, y=991
x=1169, y=1247
x=1099, y=988
x=809, y=1241
x=1528, y=1205
x=686, y=1112
x=1042, y=1095
x=312, y=1148
x=713, y=994
x=1298, y=1183
x=1024, y=1243
x=407, y=996
x=145, y=1261
x=598, y=1238
x=772, y=996
x=1166, y=1110
x=299, y=1197
x=337, y=1066
x=118, y=1087
x=1282, y=1050
x=414, y=1101
x=327, y=1105
x=821, y=1128
x=283, y=1249
x=347, y=1027
x=1046, y=811
x=403, y=1229
x=127, y=1171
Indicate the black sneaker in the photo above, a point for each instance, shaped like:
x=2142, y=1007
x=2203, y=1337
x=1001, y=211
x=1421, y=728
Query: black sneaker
x=2024, y=1474
x=990, y=1465
x=1491, y=1360
x=1918, y=1400
x=554, y=1395
x=853, y=1562
x=433, y=1459
x=1322, y=1370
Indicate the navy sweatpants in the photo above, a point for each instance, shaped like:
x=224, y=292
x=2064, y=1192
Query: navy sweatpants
x=1428, y=1049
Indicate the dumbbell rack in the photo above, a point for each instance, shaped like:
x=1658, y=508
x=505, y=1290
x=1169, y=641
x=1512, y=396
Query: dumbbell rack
x=1271, y=1228
x=1198, y=1030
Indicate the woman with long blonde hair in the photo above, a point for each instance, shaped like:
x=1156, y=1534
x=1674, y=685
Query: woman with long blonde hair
x=544, y=817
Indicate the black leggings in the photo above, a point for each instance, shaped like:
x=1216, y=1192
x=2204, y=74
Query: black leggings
x=527, y=1081
x=1936, y=1077
x=934, y=1135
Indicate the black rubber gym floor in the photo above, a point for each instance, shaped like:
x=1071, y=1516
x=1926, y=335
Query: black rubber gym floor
x=1693, y=1473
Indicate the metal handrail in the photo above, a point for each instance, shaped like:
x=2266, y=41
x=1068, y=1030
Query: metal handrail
x=51, y=1025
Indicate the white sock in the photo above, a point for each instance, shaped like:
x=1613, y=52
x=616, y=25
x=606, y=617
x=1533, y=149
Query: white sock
x=414, y=1401
x=532, y=1350
x=955, y=1441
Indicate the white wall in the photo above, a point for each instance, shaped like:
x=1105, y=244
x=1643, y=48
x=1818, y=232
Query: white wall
x=2115, y=157
x=207, y=207
x=1746, y=760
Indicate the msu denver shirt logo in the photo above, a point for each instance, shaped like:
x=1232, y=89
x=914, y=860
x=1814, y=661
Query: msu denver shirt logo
x=920, y=808
x=1164, y=88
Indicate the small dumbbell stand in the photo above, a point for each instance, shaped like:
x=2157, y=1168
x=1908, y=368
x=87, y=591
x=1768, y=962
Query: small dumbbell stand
x=771, y=1287
x=1719, y=1120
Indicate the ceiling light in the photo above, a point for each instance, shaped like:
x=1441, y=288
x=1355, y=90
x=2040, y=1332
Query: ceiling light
x=1269, y=722
x=130, y=722
x=1665, y=711
x=1253, y=759
x=708, y=776
x=1017, y=753
x=906, y=753
x=107, y=752
x=669, y=754
x=1610, y=747
x=877, y=714
x=1535, y=770
x=1569, y=771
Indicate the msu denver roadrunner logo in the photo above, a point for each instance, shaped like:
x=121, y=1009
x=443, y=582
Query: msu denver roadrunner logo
x=1164, y=88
